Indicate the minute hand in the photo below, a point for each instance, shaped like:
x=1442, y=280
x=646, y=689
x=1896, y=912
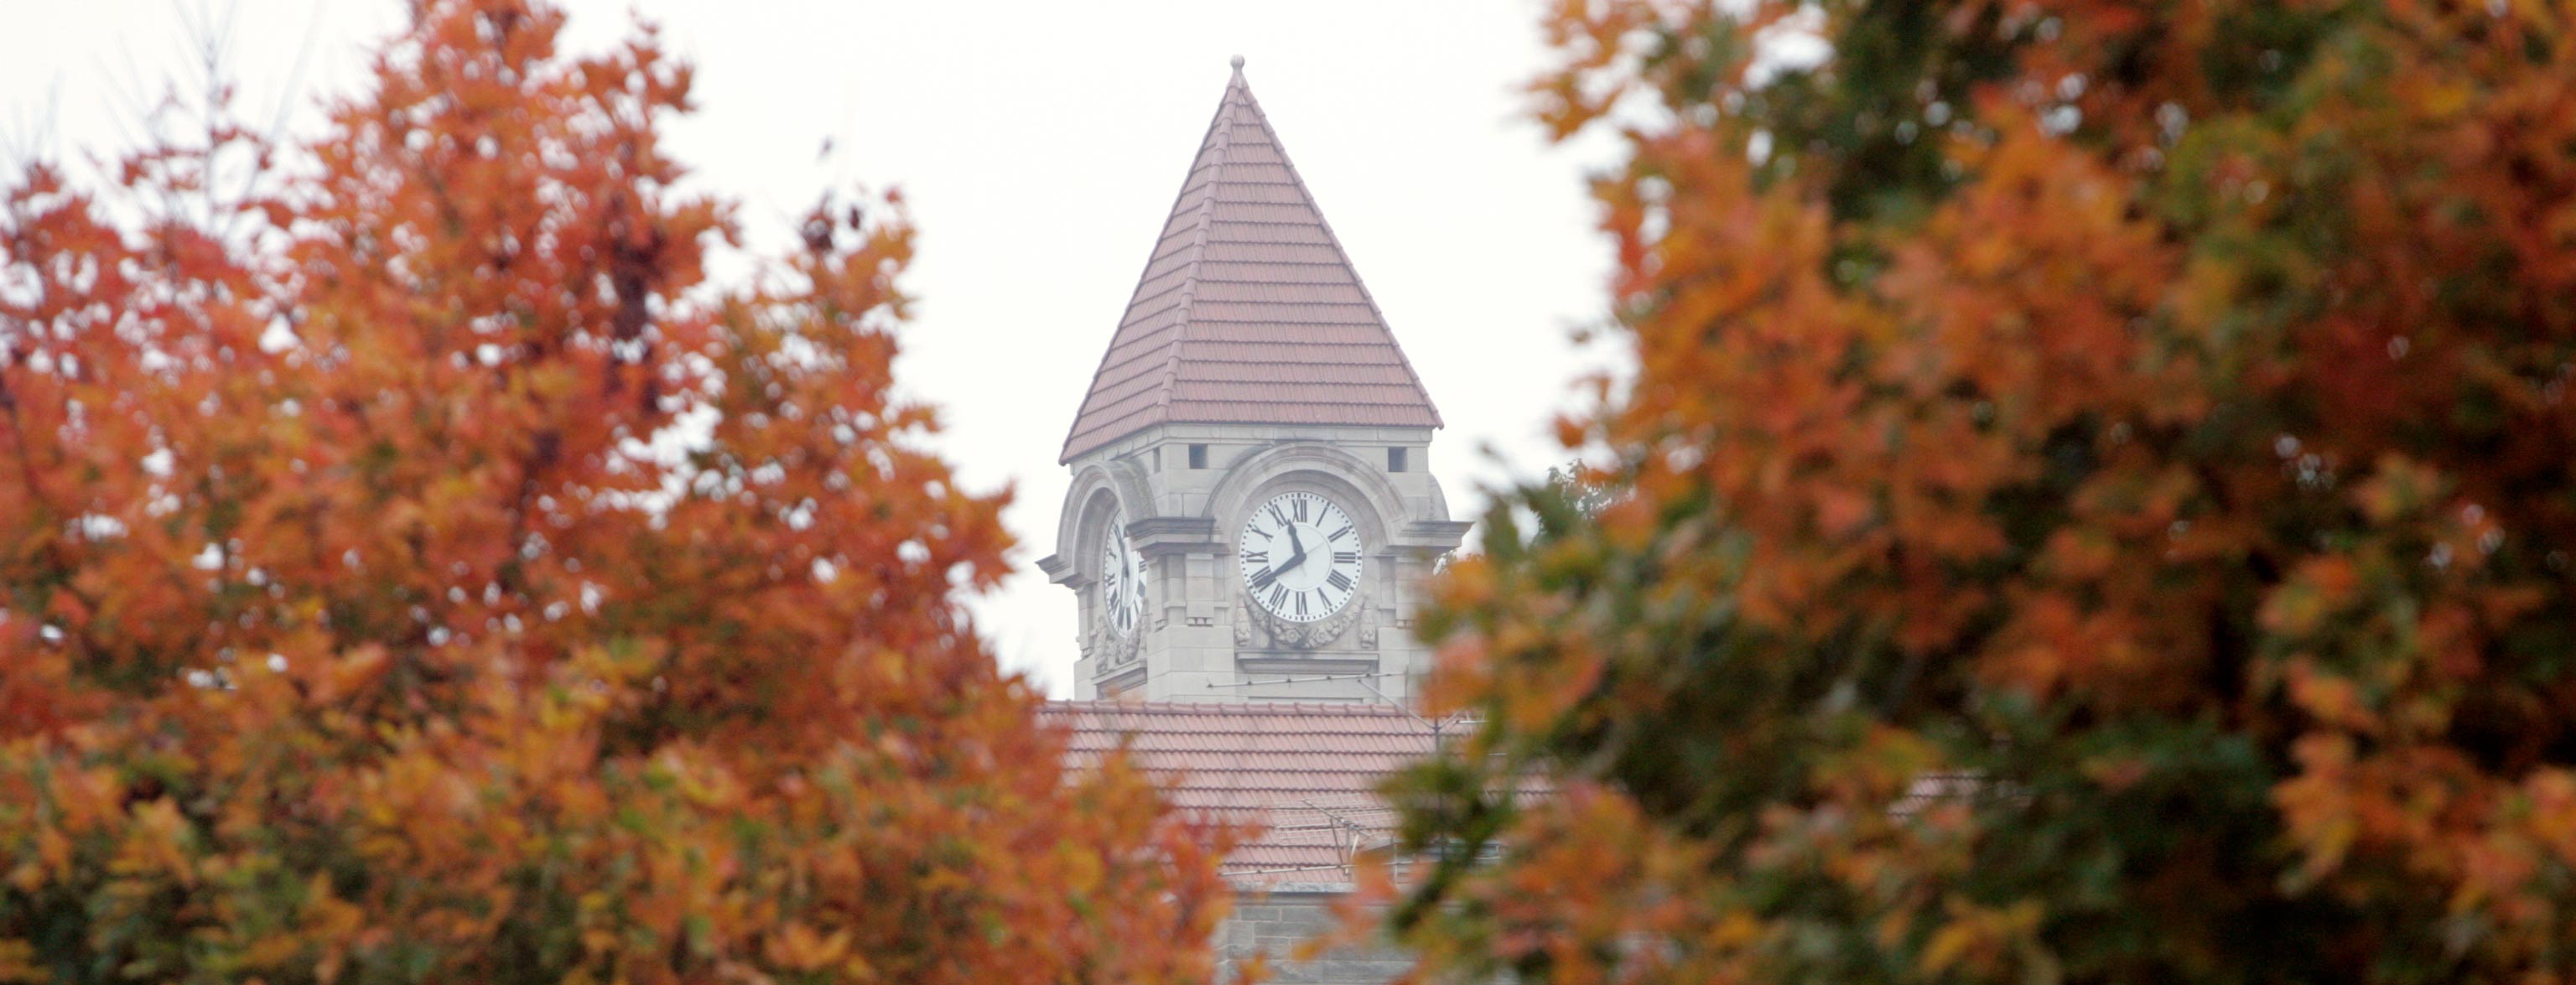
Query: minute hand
x=1273, y=572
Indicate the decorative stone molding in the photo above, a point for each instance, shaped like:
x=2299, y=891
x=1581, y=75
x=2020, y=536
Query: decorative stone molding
x=1302, y=635
x=1322, y=468
x=1098, y=490
x=1115, y=650
x=1162, y=536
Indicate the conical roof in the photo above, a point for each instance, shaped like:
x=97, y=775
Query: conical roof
x=1248, y=312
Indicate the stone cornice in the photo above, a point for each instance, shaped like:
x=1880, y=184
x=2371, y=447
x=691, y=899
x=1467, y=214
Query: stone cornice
x=1162, y=536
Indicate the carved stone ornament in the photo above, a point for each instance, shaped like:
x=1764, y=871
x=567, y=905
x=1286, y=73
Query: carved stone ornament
x=1115, y=649
x=1301, y=635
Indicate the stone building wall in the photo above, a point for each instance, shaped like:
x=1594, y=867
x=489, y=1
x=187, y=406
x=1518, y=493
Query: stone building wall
x=1276, y=922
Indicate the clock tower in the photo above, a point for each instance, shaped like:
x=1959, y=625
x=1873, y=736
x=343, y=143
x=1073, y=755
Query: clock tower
x=1252, y=510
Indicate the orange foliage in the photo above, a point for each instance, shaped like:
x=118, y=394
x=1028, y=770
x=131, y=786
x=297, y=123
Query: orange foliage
x=416, y=570
x=2146, y=424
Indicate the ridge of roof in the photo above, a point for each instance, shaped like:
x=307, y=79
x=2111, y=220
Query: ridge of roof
x=1288, y=285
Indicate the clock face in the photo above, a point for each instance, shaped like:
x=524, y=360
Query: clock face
x=1122, y=578
x=1301, y=556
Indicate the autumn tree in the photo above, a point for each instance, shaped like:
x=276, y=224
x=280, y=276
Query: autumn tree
x=415, y=569
x=2098, y=508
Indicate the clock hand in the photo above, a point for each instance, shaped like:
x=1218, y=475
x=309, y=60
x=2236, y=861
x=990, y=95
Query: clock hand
x=1288, y=565
x=1295, y=543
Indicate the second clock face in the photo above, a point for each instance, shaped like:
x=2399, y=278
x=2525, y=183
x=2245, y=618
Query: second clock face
x=1300, y=554
x=1122, y=577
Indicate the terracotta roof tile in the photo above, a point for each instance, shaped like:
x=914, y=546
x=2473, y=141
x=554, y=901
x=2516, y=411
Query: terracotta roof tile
x=1265, y=373
x=1247, y=272
x=1307, y=773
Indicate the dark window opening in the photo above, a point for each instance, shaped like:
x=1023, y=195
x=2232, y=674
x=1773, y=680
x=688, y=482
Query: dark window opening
x=1158, y=458
x=1395, y=459
x=1198, y=456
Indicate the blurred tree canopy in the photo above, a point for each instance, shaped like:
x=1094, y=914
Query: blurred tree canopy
x=2097, y=508
x=413, y=569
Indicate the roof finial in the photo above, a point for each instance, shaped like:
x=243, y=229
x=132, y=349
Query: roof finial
x=1238, y=64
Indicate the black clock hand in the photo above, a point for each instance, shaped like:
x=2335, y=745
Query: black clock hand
x=1296, y=559
x=1272, y=573
x=1288, y=565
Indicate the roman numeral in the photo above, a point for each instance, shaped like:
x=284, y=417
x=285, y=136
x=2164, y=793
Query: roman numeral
x=1339, y=534
x=1301, y=603
x=1256, y=557
x=1276, y=515
x=1346, y=557
x=1278, y=594
x=1263, y=579
x=1301, y=511
x=1340, y=581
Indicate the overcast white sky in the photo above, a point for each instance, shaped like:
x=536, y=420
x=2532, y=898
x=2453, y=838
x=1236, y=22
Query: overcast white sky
x=1040, y=144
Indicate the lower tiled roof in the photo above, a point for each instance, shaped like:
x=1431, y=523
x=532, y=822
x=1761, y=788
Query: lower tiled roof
x=1305, y=773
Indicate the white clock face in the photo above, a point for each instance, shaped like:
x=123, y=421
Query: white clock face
x=1122, y=578
x=1301, y=556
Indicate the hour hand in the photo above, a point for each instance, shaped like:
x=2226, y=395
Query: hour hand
x=1289, y=565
